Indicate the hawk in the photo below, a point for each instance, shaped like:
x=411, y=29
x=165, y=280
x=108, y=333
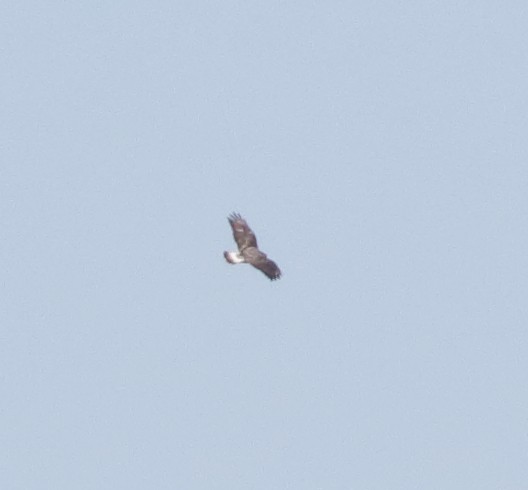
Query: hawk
x=248, y=251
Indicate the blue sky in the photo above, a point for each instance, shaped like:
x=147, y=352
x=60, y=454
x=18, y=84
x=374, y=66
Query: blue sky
x=378, y=150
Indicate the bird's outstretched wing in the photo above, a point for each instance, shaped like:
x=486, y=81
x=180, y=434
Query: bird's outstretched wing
x=261, y=262
x=242, y=233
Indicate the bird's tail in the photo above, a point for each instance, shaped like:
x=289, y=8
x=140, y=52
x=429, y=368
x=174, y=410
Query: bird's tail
x=233, y=257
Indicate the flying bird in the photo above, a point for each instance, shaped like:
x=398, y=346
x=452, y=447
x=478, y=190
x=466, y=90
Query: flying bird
x=248, y=251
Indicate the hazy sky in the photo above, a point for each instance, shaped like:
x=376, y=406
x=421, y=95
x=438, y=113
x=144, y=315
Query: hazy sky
x=380, y=152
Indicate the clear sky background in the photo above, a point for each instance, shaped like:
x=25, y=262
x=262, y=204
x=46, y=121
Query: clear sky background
x=378, y=149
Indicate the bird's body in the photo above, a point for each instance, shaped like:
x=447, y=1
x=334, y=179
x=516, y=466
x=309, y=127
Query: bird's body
x=248, y=251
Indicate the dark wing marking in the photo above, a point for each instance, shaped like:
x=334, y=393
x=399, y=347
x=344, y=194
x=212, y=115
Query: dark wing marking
x=242, y=233
x=261, y=262
x=269, y=268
